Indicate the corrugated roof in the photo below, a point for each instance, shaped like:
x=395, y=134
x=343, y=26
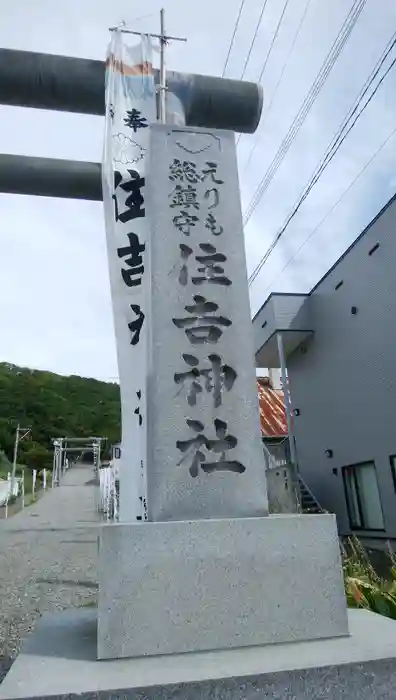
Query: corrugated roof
x=272, y=410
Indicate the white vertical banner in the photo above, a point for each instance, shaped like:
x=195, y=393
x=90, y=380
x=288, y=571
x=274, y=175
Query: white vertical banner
x=130, y=108
x=34, y=477
x=44, y=479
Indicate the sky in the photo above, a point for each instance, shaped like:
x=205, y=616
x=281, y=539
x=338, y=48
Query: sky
x=55, y=306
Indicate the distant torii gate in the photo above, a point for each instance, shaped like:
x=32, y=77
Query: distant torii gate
x=62, y=446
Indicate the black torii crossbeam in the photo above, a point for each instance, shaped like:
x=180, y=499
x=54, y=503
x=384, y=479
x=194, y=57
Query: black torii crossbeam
x=62, y=83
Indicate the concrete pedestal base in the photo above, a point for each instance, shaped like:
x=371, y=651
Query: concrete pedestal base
x=58, y=661
x=174, y=587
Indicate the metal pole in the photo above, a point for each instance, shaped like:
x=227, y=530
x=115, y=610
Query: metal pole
x=286, y=393
x=8, y=495
x=162, y=85
x=60, y=470
x=14, y=459
x=54, y=466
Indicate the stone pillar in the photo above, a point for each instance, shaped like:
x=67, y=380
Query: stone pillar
x=205, y=458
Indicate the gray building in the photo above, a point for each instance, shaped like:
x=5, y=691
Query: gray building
x=339, y=344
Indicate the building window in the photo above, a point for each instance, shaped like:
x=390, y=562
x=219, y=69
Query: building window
x=392, y=460
x=362, y=497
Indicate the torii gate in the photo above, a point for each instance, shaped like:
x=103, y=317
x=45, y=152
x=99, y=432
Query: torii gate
x=64, y=445
x=61, y=83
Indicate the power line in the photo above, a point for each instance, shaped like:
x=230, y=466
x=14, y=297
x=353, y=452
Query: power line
x=358, y=176
x=327, y=66
x=342, y=136
x=254, y=38
x=270, y=46
x=333, y=148
x=268, y=109
x=233, y=37
x=308, y=102
x=273, y=40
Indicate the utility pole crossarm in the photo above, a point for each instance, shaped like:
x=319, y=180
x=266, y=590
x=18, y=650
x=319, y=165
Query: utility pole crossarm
x=155, y=36
x=18, y=438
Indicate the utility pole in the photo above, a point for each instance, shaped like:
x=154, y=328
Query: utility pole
x=163, y=41
x=60, y=464
x=57, y=443
x=162, y=85
x=18, y=438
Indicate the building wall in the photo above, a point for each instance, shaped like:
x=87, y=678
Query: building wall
x=290, y=312
x=343, y=380
x=280, y=312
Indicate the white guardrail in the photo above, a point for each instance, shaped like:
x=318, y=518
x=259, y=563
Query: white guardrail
x=6, y=490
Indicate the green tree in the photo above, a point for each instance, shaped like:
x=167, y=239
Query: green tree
x=37, y=457
x=54, y=406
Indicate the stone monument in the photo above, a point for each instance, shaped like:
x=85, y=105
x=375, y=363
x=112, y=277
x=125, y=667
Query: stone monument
x=210, y=569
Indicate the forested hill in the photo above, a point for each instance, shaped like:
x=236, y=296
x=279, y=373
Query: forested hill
x=54, y=406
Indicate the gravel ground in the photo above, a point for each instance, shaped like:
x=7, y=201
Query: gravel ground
x=48, y=560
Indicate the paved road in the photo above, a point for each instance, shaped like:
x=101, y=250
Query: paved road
x=48, y=558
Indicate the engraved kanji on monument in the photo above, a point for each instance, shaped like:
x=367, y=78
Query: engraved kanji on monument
x=205, y=458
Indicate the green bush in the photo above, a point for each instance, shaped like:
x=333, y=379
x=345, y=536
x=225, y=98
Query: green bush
x=363, y=587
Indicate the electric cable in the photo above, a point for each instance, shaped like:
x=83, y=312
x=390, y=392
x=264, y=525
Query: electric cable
x=358, y=176
x=328, y=64
x=274, y=93
x=335, y=145
x=254, y=39
x=233, y=37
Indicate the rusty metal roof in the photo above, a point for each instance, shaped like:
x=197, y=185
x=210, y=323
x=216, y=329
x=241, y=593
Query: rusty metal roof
x=272, y=410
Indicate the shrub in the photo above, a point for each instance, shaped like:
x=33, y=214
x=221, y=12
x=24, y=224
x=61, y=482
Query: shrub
x=363, y=587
